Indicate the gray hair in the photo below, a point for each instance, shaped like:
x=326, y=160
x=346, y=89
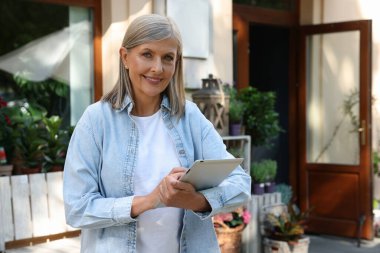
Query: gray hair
x=145, y=29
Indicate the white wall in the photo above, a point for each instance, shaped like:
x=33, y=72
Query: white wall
x=219, y=62
x=116, y=14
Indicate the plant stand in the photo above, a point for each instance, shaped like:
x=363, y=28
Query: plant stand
x=274, y=246
x=229, y=239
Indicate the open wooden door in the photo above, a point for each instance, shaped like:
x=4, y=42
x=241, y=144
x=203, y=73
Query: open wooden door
x=334, y=115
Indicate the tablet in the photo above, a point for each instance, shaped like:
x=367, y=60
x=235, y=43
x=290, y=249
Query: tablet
x=204, y=174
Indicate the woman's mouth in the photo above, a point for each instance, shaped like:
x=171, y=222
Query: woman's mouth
x=153, y=80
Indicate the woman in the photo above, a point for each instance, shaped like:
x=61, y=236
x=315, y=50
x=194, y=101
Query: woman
x=128, y=151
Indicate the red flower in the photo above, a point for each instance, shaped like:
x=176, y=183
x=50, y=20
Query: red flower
x=3, y=103
x=8, y=120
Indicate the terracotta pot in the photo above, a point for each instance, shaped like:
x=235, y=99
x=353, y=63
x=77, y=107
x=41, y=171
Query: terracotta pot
x=6, y=170
x=31, y=170
x=56, y=168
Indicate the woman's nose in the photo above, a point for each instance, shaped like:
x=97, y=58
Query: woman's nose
x=157, y=66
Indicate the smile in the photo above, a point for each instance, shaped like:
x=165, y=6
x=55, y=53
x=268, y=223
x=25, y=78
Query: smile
x=153, y=79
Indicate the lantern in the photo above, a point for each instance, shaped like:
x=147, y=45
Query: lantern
x=213, y=103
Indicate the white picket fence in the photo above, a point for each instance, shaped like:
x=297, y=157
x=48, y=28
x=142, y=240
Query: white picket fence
x=252, y=241
x=31, y=206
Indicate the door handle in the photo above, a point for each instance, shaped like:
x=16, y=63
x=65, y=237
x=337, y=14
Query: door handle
x=361, y=130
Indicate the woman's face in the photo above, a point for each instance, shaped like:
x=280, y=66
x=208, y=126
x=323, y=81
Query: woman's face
x=151, y=67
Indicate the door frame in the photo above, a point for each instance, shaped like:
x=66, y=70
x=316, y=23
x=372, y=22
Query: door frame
x=365, y=169
x=243, y=15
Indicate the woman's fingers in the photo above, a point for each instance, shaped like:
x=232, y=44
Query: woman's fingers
x=177, y=169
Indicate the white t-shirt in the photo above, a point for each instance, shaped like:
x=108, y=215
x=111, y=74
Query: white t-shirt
x=158, y=230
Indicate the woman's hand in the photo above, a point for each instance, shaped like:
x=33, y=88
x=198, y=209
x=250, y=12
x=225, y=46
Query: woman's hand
x=141, y=204
x=175, y=193
x=172, y=193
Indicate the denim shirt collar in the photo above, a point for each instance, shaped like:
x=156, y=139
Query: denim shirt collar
x=128, y=103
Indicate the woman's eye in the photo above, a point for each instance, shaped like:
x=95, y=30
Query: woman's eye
x=169, y=58
x=147, y=55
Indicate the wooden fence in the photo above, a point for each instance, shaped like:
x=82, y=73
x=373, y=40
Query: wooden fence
x=252, y=241
x=31, y=207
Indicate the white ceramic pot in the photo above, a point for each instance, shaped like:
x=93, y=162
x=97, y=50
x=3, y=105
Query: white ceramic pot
x=274, y=246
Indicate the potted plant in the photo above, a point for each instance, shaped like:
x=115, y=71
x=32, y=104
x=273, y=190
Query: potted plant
x=235, y=113
x=286, y=192
x=284, y=228
x=259, y=116
x=57, y=141
x=229, y=228
x=259, y=175
x=28, y=148
x=236, y=117
x=27, y=135
x=271, y=168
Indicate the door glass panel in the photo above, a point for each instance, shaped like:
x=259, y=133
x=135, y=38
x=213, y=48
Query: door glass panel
x=332, y=99
x=47, y=56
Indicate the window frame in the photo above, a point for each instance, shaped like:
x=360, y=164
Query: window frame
x=95, y=5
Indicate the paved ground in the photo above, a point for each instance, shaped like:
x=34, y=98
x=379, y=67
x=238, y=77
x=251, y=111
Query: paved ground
x=68, y=245
x=331, y=244
x=319, y=244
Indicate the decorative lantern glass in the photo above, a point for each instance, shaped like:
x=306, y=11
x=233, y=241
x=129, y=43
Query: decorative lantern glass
x=213, y=103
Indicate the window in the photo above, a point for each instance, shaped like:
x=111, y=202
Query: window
x=49, y=55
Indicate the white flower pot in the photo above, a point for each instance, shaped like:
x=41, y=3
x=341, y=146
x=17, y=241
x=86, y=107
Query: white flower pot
x=274, y=246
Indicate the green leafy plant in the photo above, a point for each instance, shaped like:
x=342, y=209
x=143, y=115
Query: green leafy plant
x=236, y=108
x=259, y=172
x=286, y=192
x=271, y=167
x=236, y=111
x=289, y=225
x=27, y=132
x=259, y=117
x=36, y=140
x=57, y=141
x=264, y=171
x=49, y=94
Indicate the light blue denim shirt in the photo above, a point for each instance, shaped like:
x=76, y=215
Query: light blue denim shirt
x=98, y=177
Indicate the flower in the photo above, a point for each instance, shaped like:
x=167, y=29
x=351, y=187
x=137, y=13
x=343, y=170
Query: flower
x=5, y=122
x=3, y=115
x=233, y=219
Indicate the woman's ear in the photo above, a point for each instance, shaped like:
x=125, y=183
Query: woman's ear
x=123, y=56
